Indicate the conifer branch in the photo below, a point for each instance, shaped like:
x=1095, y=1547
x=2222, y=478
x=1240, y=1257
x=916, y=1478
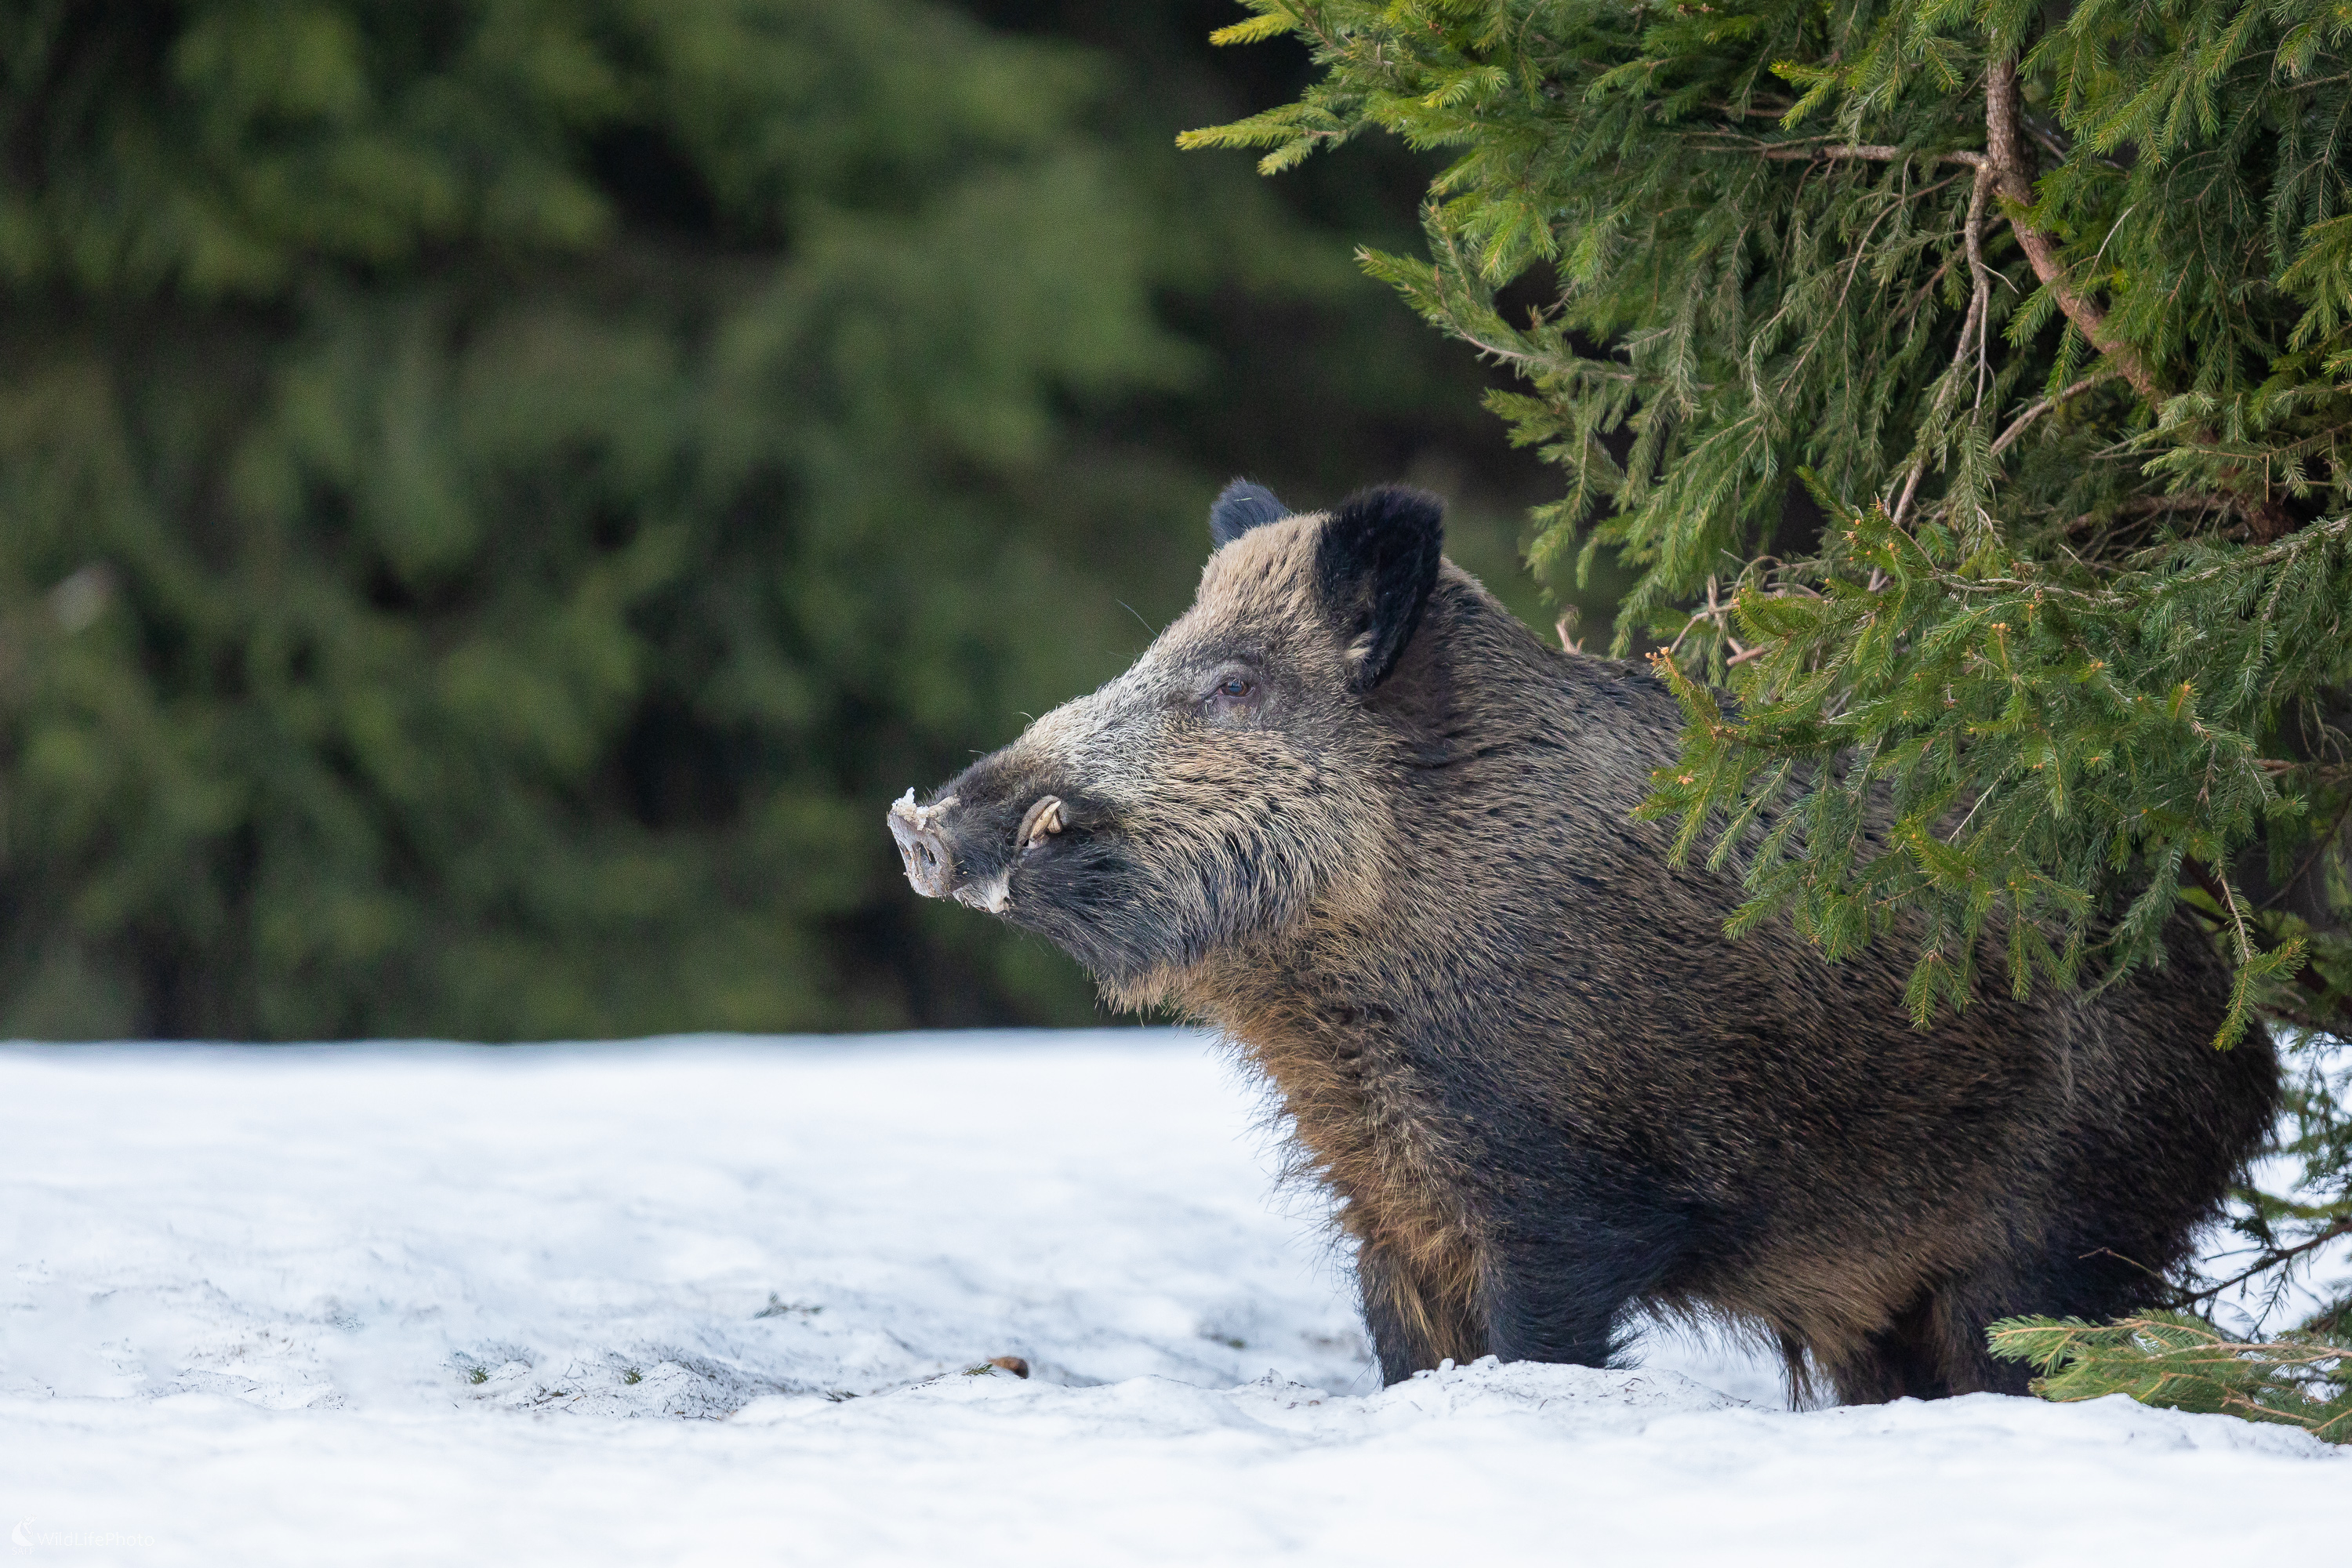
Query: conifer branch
x=2302, y=1380
x=2009, y=161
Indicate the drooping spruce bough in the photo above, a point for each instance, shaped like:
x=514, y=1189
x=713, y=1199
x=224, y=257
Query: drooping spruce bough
x=1970, y=386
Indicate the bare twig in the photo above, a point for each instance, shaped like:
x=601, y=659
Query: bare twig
x=2237, y=917
x=1910, y=485
x=2134, y=1262
x=1920, y=296
x=2017, y=427
x=1716, y=611
x=2272, y=1258
x=1774, y=108
x=2159, y=506
x=1971, y=325
x=1980, y=298
x=2303, y=1020
x=2319, y=845
x=1794, y=152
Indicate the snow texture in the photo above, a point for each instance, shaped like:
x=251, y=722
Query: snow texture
x=731, y=1301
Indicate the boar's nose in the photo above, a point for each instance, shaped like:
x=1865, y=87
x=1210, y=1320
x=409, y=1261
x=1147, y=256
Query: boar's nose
x=930, y=865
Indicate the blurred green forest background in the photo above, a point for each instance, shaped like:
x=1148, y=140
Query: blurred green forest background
x=496, y=496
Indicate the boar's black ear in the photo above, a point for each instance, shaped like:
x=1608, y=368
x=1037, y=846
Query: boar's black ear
x=1240, y=507
x=1374, y=566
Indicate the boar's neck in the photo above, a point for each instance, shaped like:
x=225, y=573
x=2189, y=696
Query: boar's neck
x=1509, y=775
x=1504, y=791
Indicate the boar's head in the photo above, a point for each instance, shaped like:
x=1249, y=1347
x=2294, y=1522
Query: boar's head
x=1223, y=786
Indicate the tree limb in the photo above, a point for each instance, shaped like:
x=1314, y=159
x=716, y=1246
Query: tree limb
x=2010, y=158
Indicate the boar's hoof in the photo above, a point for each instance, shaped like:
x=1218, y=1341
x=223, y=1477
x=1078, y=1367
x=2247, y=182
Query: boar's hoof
x=1045, y=820
x=929, y=867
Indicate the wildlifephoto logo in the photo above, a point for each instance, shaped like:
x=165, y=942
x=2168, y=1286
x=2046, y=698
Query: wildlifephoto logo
x=30, y=1536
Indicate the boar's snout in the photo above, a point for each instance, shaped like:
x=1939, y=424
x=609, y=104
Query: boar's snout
x=930, y=859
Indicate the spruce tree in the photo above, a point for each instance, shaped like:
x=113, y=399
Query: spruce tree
x=1970, y=388
x=497, y=495
x=483, y=481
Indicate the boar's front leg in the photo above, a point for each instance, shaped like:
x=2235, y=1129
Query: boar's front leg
x=1418, y=1315
x=1563, y=1295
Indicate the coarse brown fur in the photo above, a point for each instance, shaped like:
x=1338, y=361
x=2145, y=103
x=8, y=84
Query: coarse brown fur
x=1350, y=813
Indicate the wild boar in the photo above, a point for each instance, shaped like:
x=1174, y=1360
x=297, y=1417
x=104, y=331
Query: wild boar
x=1349, y=811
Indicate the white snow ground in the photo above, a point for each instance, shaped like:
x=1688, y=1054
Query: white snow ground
x=608, y=1304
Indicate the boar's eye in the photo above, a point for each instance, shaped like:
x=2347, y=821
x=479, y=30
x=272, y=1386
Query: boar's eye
x=1232, y=693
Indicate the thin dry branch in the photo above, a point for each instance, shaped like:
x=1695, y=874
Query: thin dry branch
x=2309, y=537
x=1980, y=297
x=1920, y=295
x=2272, y=1258
x=2017, y=427
x=1872, y=153
x=2161, y=506
x=2277, y=768
x=1972, y=325
x=1910, y=486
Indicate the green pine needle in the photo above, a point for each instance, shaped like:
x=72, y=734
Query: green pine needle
x=2180, y=1362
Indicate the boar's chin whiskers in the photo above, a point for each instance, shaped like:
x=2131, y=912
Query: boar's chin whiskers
x=994, y=894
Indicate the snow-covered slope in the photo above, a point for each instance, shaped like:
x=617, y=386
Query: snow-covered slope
x=399, y=1304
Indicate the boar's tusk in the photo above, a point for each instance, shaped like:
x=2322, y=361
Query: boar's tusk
x=1044, y=819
